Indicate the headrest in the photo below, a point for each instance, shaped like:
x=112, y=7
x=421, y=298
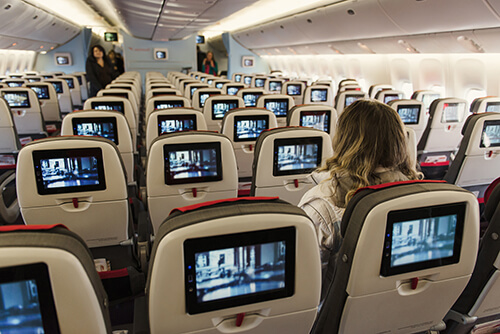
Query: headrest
x=491, y=198
x=31, y=228
x=221, y=203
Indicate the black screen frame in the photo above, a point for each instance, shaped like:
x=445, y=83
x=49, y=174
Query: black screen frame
x=486, y=124
x=315, y=112
x=42, y=87
x=266, y=101
x=229, y=102
x=296, y=141
x=24, y=93
x=75, y=121
x=244, y=118
x=158, y=103
x=161, y=118
x=325, y=90
x=112, y=104
x=400, y=106
x=294, y=85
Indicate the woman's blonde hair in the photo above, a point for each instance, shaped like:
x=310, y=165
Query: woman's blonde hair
x=369, y=135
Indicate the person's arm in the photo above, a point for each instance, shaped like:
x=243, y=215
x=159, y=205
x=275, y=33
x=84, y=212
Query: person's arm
x=215, y=68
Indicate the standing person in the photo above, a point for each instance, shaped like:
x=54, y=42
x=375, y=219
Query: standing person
x=116, y=61
x=99, y=71
x=209, y=64
x=200, y=56
x=370, y=148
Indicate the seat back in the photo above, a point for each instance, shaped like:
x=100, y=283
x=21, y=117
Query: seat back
x=238, y=77
x=74, y=89
x=284, y=158
x=82, y=80
x=477, y=162
x=124, y=93
x=191, y=88
x=111, y=125
x=201, y=94
x=194, y=166
x=319, y=117
x=217, y=106
x=279, y=104
x=256, y=250
x=412, y=113
x=443, y=130
x=63, y=94
x=155, y=92
x=173, y=120
x=250, y=96
x=9, y=139
x=25, y=108
x=49, y=102
x=219, y=83
x=51, y=281
x=387, y=95
x=411, y=142
x=119, y=104
x=232, y=88
x=374, y=89
x=165, y=102
x=318, y=94
x=426, y=96
x=246, y=79
x=79, y=180
x=405, y=245
x=13, y=83
x=485, y=104
x=344, y=98
x=259, y=81
x=274, y=86
x=295, y=89
x=243, y=127
x=127, y=86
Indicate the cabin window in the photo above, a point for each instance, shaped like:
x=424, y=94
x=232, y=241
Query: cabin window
x=474, y=93
x=407, y=89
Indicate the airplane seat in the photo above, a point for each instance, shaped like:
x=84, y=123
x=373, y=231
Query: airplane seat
x=250, y=96
x=187, y=168
x=274, y=86
x=441, y=136
x=387, y=95
x=478, y=304
x=237, y=77
x=173, y=120
x=9, y=206
x=52, y=282
x=242, y=265
x=26, y=111
x=82, y=80
x=247, y=80
x=3, y=85
x=63, y=94
x=165, y=102
x=259, y=81
x=219, y=83
x=130, y=87
x=347, y=82
x=15, y=82
x=374, y=89
x=155, y=92
x=111, y=125
x=49, y=103
x=283, y=160
x=200, y=95
x=232, y=88
x=344, y=98
x=217, y=106
x=187, y=87
x=485, y=104
x=426, y=96
x=119, y=104
x=412, y=113
x=123, y=93
x=295, y=89
x=319, y=117
x=318, y=94
x=477, y=162
x=279, y=104
x=74, y=90
x=243, y=127
x=409, y=249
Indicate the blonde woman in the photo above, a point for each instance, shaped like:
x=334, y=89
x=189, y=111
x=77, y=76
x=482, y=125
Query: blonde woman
x=369, y=148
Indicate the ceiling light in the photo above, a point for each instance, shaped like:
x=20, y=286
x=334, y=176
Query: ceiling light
x=43, y=52
x=365, y=48
x=470, y=44
x=407, y=46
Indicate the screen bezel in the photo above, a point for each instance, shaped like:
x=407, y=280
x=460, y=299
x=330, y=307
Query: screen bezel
x=70, y=85
x=214, y=103
x=257, y=95
x=162, y=118
x=410, y=106
x=122, y=95
x=189, y=147
x=112, y=104
x=460, y=105
x=39, y=272
x=294, y=85
x=68, y=153
x=315, y=112
x=296, y=141
x=155, y=94
x=157, y=103
x=399, y=216
x=57, y=84
x=358, y=97
x=488, y=123
x=24, y=93
x=213, y=93
x=199, y=245
x=492, y=104
x=75, y=121
x=325, y=90
x=244, y=118
x=266, y=101
x=42, y=87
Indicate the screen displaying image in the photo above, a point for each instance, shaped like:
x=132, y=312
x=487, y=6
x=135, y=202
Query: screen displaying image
x=251, y=99
x=111, y=37
x=279, y=107
x=168, y=104
x=409, y=114
x=275, y=86
x=34, y=79
x=161, y=55
x=42, y=92
x=316, y=119
x=15, y=83
x=65, y=171
x=70, y=82
x=391, y=97
x=491, y=134
x=209, y=82
x=218, y=85
x=233, y=90
x=260, y=82
x=452, y=112
x=220, y=108
x=200, y=39
x=17, y=99
x=79, y=78
x=427, y=99
x=163, y=93
x=294, y=90
x=247, y=81
x=193, y=89
x=296, y=155
x=123, y=95
x=248, y=62
x=249, y=127
x=111, y=105
x=493, y=107
x=62, y=60
x=49, y=76
x=203, y=79
x=349, y=99
x=237, y=78
x=238, y=269
x=319, y=95
x=185, y=164
x=102, y=127
x=175, y=123
x=205, y=96
x=58, y=86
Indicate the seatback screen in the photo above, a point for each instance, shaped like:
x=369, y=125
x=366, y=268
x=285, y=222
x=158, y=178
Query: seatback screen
x=296, y=155
x=58, y=86
x=220, y=108
x=260, y=82
x=247, y=81
x=124, y=95
x=275, y=86
x=251, y=99
x=71, y=83
x=204, y=96
x=278, y=106
x=249, y=127
x=108, y=105
x=317, y=119
x=319, y=95
x=493, y=107
x=96, y=126
x=233, y=90
x=164, y=93
x=17, y=99
x=168, y=104
x=390, y=97
x=176, y=123
x=409, y=114
x=452, y=112
x=237, y=78
x=42, y=92
x=294, y=90
x=490, y=136
x=350, y=99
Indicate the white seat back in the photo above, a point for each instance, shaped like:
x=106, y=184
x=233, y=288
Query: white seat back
x=165, y=102
x=345, y=98
x=250, y=96
x=318, y=94
x=74, y=89
x=374, y=89
x=295, y=89
x=63, y=94
x=412, y=113
x=387, y=95
x=217, y=106
x=201, y=94
x=319, y=117
x=279, y=104
x=49, y=103
x=9, y=140
x=485, y=104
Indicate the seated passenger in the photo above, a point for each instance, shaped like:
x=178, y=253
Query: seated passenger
x=370, y=149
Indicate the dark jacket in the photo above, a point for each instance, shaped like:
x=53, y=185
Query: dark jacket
x=98, y=76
